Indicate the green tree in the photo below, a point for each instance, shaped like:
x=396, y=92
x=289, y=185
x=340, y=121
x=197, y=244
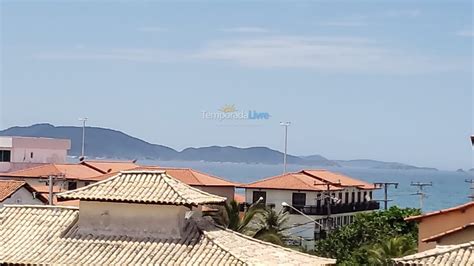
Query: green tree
x=271, y=225
x=351, y=244
x=229, y=216
x=382, y=253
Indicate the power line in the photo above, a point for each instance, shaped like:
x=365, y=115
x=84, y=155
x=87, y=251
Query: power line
x=420, y=191
x=385, y=186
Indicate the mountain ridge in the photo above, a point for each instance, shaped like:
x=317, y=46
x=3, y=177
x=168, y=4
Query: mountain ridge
x=110, y=143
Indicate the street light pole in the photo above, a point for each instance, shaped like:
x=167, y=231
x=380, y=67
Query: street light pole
x=83, y=134
x=286, y=125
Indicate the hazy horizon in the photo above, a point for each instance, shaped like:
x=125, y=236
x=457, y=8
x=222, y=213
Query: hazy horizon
x=384, y=81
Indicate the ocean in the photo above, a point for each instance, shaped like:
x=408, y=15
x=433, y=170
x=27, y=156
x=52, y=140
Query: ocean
x=449, y=188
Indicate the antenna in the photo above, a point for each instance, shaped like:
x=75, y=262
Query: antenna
x=471, y=181
x=385, y=186
x=420, y=191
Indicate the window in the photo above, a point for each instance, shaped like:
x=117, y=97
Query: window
x=299, y=199
x=5, y=156
x=347, y=198
x=318, y=199
x=359, y=197
x=31, y=155
x=340, y=197
x=258, y=194
x=370, y=195
x=365, y=196
x=353, y=197
x=71, y=185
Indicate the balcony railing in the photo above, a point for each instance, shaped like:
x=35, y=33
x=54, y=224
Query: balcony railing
x=336, y=208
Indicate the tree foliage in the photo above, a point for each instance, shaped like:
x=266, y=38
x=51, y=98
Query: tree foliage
x=371, y=234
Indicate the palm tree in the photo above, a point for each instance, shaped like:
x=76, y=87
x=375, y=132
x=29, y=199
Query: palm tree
x=382, y=253
x=271, y=225
x=230, y=217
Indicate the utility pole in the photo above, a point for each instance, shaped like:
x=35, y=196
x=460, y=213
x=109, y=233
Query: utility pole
x=420, y=191
x=385, y=186
x=84, y=119
x=286, y=125
x=327, y=200
x=471, y=181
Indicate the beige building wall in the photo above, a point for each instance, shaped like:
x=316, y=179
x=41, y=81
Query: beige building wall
x=23, y=197
x=463, y=236
x=227, y=192
x=436, y=224
x=131, y=219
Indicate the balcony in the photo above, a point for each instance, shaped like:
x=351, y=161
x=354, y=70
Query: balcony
x=336, y=208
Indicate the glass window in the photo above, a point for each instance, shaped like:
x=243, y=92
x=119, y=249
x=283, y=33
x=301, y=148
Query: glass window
x=5, y=156
x=71, y=185
x=318, y=199
x=346, y=200
x=353, y=197
x=340, y=197
x=258, y=194
x=370, y=195
x=359, y=197
x=299, y=199
x=365, y=195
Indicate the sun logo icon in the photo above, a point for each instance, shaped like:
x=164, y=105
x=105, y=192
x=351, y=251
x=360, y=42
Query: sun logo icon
x=228, y=108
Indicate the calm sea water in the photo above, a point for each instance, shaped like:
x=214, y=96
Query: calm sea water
x=449, y=188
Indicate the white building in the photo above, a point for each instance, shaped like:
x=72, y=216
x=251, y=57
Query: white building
x=19, y=192
x=314, y=195
x=23, y=152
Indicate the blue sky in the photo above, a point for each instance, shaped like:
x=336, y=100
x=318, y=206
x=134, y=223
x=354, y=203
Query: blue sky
x=389, y=81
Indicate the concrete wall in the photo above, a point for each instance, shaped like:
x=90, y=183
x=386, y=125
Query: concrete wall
x=135, y=220
x=460, y=237
x=227, y=192
x=440, y=223
x=33, y=150
x=22, y=196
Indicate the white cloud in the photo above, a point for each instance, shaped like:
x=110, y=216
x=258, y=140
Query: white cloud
x=135, y=55
x=246, y=30
x=152, y=29
x=403, y=13
x=322, y=54
x=465, y=33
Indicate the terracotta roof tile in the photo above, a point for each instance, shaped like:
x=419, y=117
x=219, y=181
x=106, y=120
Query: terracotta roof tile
x=335, y=178
x=456, y=208
x=462, y=254
x=293, y=181
x=50, y=236
x=68, y=171
x=147, y=186
x=8, y=187
x=187, y=175
x=109, y=166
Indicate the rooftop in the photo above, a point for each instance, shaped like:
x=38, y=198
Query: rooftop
x=462, y=254
x=68, y=171
x=9, y=187
x=143, y=186
x=203, y=243
x=310, y=180
x=109, y=166
x=460, y=208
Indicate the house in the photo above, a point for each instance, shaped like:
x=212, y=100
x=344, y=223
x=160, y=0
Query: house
x=330, y=199
x=445, y=227
x=19, y=192
x=134, y=217
x=23, y=152
x=461, y=254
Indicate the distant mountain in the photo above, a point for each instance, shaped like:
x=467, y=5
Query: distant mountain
x=109, y=143
x=363, y=163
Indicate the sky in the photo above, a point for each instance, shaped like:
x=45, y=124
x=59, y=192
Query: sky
x=385, y=80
